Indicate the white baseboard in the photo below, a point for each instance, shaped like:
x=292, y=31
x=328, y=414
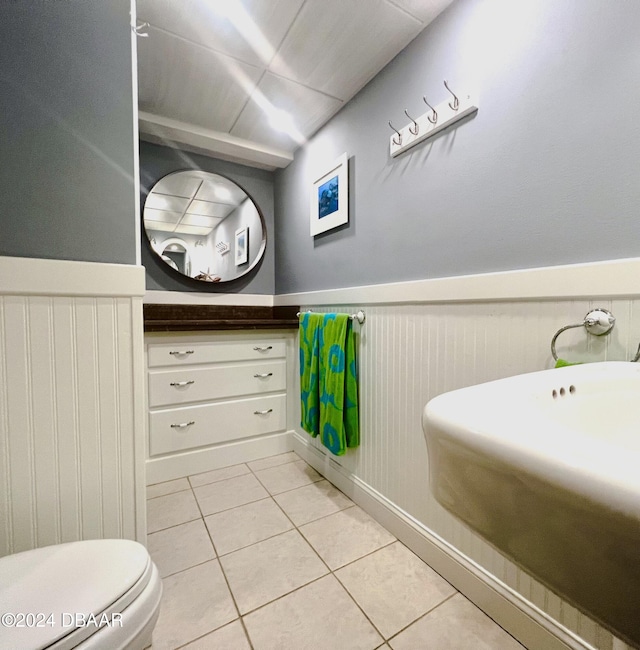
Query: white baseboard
x=523, y=620
x=196, y=461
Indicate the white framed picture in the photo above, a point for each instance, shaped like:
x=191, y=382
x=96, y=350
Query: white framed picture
x=330, y=197
x=242, y=245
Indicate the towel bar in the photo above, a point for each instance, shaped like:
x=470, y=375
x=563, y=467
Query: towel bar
x=359, y=315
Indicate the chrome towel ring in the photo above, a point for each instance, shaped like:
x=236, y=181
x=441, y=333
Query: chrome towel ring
x=597, y=322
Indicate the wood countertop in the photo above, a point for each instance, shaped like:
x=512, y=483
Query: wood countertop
x=187, y=318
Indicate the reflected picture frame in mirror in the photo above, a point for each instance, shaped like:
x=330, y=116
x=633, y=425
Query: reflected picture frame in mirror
x=242, y=245
x=192, y=218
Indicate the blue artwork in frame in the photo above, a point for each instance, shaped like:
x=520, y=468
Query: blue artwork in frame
x=330, y=197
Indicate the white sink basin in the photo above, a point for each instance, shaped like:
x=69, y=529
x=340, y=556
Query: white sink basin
x=546, y=467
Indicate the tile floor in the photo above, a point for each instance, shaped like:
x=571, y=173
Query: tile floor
x=268, y=555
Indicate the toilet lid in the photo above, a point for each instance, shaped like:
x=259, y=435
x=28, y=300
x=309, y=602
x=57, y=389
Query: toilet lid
x=45, y=588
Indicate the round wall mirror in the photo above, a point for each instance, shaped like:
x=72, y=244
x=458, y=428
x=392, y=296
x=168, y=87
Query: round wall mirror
x=204, y=226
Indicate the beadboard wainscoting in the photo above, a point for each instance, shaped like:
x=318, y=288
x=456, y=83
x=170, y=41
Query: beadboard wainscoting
x=410, y=353
x=72, y=402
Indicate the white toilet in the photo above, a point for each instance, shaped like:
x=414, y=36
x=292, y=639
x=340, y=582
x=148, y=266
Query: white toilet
x=92, y=595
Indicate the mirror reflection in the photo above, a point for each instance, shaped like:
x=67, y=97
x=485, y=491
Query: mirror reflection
x=204, y=226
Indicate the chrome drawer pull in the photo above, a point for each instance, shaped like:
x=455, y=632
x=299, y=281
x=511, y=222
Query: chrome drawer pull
x=177, y=352
x=263, y=375
x=182, y=383
x=263, y=349
x=183, y=425
x=262, y=412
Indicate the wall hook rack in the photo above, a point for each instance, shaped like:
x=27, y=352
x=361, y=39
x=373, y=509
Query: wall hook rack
x=433, y=121
x=222, y=247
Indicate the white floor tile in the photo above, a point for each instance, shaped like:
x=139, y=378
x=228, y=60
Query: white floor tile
x=245, y=525
x=194, y=602
x=267, y=570
x=455, y=624
x=273, y=461
x=312, y=502
x=168, y=487
x=394, y=587
x=346, y=536
x=180, y=547
x=320, y=616
x=171, y=510
x=288, y=476
x=229, y=637
x=230, y=493
x=197, y=480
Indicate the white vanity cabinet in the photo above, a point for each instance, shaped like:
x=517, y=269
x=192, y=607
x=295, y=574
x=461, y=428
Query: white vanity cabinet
x=214, y=399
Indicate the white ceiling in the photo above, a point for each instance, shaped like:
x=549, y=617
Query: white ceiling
x=191, y=203
x=211, y=73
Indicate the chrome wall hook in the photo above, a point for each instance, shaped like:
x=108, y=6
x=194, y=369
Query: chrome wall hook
x=136, y=30
x=416, y=126
x=456, y=102
x=397, y=142
x=433, y=118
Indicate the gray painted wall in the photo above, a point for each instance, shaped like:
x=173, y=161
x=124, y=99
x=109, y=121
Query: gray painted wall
x=66, y=131
x=157, y=161
x=546, y=173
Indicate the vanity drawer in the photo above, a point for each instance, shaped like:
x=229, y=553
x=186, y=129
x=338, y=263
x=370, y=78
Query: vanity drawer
x=197, y=426
x=184, y=353
x=199, y=384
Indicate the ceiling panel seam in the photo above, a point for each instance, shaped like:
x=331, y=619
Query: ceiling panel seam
x=404, y=10
x=237, y=117
x=208, y=49
x=282, y=40
x=303, y=85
